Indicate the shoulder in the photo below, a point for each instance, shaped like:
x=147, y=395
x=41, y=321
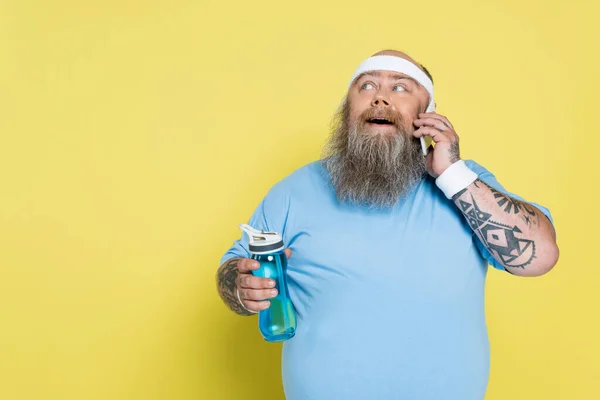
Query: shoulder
x=298, y=181
x=289, y=194
x=307, y=175
x=309, y=171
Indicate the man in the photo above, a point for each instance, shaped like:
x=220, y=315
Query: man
x=390, y=250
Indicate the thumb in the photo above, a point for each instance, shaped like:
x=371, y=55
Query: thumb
x=288, y=252
x=429, y=161
x=429, y=157
x=429, y=152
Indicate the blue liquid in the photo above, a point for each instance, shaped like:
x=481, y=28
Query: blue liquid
x=278, y=322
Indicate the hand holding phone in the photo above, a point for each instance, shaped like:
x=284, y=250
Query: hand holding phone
x=436, y=128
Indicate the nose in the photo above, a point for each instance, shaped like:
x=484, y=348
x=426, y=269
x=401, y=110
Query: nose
x=380, y=100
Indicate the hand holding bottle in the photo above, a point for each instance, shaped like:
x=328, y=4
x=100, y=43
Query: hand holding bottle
x=255, y=292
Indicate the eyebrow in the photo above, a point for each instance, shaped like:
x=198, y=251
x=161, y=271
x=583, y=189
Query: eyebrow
x=378, y=74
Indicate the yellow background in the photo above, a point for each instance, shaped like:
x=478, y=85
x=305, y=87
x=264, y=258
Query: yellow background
x=136, y=135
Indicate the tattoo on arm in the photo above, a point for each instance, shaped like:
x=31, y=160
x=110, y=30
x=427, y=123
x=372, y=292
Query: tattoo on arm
x=513, y=206
x=459, y=194
x=454, y=152
x=226, y=284
x=506, y=243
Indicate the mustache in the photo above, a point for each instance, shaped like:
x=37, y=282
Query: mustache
x=381, y=113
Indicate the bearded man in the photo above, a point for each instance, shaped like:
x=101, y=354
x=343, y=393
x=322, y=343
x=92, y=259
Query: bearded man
x=391, y=241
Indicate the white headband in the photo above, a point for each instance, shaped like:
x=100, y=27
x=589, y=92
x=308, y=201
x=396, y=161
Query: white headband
x=397, y=64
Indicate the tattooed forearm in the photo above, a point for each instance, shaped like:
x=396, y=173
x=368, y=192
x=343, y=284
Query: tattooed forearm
x=226, y=284
x=508, y=228
x=527, y=213
x=501, y=240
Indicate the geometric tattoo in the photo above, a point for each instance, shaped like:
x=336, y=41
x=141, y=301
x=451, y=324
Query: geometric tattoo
x=514, y=205
x=501, y=240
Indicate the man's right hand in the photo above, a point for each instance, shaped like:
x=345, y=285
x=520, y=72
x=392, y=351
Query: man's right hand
x=255, y=292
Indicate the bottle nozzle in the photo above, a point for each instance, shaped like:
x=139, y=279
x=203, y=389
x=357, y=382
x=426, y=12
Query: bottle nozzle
x=261, y=240
x=251, y=232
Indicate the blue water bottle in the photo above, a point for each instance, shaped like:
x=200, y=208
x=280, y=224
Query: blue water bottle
x=278, y=322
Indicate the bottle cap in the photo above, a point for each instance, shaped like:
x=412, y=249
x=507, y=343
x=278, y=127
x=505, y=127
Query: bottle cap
x=261, y=242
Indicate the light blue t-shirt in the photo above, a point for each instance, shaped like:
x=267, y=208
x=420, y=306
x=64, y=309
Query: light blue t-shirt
x=390, y=303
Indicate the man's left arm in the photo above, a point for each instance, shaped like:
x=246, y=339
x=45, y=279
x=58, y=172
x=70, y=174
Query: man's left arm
x=517, y=234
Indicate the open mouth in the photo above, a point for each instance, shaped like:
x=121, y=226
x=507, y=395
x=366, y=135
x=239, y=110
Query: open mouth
x=380, y=121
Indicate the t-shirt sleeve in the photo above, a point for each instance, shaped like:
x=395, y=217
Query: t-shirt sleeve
x=488, y=178
x=270, y=215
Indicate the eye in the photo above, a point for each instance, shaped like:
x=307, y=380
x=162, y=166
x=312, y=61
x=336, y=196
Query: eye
x=367, y=86
x=399, y=88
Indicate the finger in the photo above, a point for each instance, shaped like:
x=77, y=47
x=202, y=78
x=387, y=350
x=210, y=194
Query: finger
x=257, y=294
x=435, y=134
x=256, y=305
x=438, y=117
x=288, y=252
x=255, y=282
x=246, y=265
x=433, y=122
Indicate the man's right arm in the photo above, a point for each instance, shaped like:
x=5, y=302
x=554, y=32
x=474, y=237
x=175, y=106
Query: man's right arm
x=242, y=292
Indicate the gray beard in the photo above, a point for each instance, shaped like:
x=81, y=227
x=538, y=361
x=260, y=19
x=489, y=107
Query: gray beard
x=372, y=169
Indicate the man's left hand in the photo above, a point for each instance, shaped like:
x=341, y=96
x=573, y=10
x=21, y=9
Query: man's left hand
x=442, y=133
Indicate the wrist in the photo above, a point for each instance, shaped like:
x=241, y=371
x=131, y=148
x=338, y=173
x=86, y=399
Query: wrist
x=455, y=178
